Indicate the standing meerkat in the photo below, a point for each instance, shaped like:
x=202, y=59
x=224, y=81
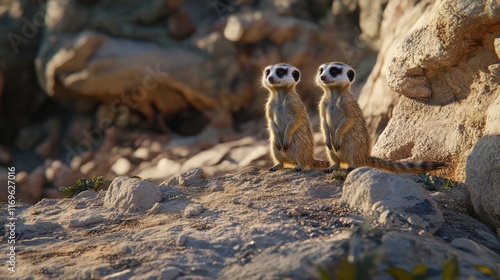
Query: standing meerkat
x=344, y=127
x=290, y=131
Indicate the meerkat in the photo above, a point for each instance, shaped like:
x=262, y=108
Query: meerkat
x=290, y=130
x=344, y=127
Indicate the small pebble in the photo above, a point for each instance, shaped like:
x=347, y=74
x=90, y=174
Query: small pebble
x=181, y=240
x=169, y=273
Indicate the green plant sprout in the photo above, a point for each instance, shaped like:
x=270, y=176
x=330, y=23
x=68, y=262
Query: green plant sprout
x=93, y=183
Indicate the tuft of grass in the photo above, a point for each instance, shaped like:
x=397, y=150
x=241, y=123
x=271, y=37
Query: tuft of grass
x=145, y=179
x=338, y=175
x=93, y=183
x=427, y=180
x=431, y=183
x=450, y=184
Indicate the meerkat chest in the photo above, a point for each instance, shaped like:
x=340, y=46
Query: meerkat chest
x=333, y=113
x=282, y=113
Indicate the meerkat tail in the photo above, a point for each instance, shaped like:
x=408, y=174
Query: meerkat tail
x=404, y=167
x=321, y=163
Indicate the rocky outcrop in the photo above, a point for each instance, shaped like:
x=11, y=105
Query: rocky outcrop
x=450, y=91
x=482, y=172
x=389, y=27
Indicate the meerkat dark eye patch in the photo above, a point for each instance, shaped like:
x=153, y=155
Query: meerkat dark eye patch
x=281, y=72
x=320, y=70
x=296, y=75
x=350, y=75
x=335, y=71
x=266, y=73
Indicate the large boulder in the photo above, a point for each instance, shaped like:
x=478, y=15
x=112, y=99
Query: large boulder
x=445, y=68
x=394, y=200
x=482, y=174
x=377, y=99
x=122, y=72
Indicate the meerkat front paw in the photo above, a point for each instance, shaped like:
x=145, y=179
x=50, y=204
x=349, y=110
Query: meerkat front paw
x=285, y=145
x=277, y=145
x=276, y=167
x=297, y=169
x=336, y=144
x=328, y=144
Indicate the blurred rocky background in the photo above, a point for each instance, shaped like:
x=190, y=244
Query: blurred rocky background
x=158, y=87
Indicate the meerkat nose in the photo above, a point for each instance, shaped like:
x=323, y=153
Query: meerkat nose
x=323, y=78
x=271, y=79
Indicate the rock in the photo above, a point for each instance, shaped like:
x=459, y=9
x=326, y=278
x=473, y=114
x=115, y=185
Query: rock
x=344, y=7
x=76, y=162
x=82, y=222
x=85, y=194
x=63, y=72
x=396, y=200
x=88, y=167
x=157, y=207
x=170, y=272
x=122, y=275
x=193, y=209
x=164, y=168
x=218, y=153
x=121, y=167
x=489, y=258
x=283, y=29
x=497, y=46
x=377, y=99
x=430, y=252
x=131, y=195
x=246, y=156
x=48, y=148
x=181, y=240
x=142, y=153
x=483, y=169
x=216, y=44
x=59, y=174
x=177, y=205
x=431, y=69
x=5, y=156
x=207, y=158
x=30, y=189
x=246, y=27
x=191, y=178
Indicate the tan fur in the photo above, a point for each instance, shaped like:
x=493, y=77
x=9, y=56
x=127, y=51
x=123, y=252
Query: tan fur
x=290, y=130
x=344, y=128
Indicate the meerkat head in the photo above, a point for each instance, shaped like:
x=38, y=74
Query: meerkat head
x=335, y=74
x=280, y=76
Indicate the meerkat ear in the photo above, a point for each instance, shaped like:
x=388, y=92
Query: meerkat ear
x=296, y=75
x=350, y=75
